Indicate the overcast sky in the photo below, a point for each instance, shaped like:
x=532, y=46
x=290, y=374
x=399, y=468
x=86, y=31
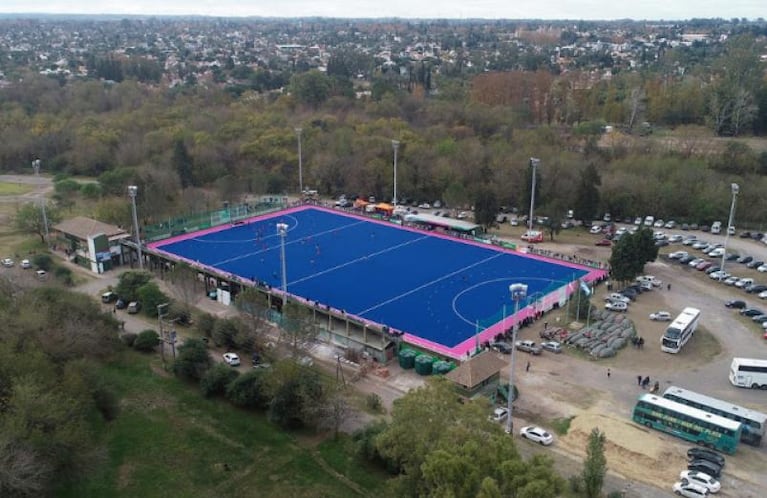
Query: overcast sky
x=490, y=9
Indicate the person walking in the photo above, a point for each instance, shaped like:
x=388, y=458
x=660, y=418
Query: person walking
x=608, y=373
x=646, y=382
x=527, y=367
x=639, y=380
x=668, y=287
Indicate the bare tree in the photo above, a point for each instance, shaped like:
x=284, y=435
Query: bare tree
x=298, y=331
x=335, y=411
x=185, y=283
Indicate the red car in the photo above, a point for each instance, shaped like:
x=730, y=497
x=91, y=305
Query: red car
x=704, y=265
x=604, y=242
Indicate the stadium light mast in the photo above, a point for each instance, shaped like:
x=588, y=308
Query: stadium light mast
x=534, y=162
x=300, y=164
x=36, y=167
x=395, y=148
x=518, y=293
x=735, y=189
x=132, y=192
x=282, y=230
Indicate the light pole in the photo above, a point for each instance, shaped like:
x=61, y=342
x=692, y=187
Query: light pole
x=534, y=162
x=735, y=190
x=282, y=229
x=132, y=191
x=36, y=167
x=395, y=147
x=518, y=293
x=160, y=307
x=300, y=164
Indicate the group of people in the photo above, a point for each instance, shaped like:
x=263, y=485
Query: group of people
x=567, y=257
x=644, y=382
x=637, y=342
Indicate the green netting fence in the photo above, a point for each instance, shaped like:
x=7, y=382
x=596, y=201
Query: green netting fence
x=192, y=222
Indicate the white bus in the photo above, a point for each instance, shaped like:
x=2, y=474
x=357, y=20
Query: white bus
x=680, y=331
x=745, y=372
x=754, y=422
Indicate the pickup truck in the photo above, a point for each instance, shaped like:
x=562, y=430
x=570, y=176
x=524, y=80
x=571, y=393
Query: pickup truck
x=528, y=347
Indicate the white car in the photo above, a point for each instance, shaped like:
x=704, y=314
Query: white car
x=619, y=298
x=424, y=205
x=621, y=231
x=731, y=281
x=536, y=434
x=232, y=359
x=595, y=229
x=676, y=238
x=717, y=252
x=690, y=490
x=26, y=264
x=695, y=262
x=763, y=295
x=638, y=220
x=744, y=282
x=661, y=316
x=616, y=306
x=678, y=254
x=762, y=269
x=658, y=224
x=499, y=415
x=462, y=215
x=701, y=479
x=670, y=224
x=7, y=262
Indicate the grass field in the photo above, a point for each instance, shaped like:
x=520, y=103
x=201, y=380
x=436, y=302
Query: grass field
x=170, y=441
x=7, y=188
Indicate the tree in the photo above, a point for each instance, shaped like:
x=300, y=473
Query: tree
x=485, y=207
x=631, y=253
x=253, y=305
x=185, y=282
x=335, y=411
x=595, y=465
x=298, y=396
x=193, y=360
x=587, y=194
x=29, y=219
x=216, y=379
x=250, y=390
x=150, y=297
x=146, y=341
x=554, y=224
x=183, y=164
x=311, y=88
x=298, y=329
x=224, y=332
x=129, y=283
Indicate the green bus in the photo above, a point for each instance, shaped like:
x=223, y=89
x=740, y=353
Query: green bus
x=688, y=423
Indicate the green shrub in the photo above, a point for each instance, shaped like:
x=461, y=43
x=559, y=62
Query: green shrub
x=146, y=341
x=206, y=323
x=216, y=379
x=373, y=402
x=193, y=360
x=129, y=338
x=43, y=261
x=249, y=390
x=91, y=190
x=64, y=275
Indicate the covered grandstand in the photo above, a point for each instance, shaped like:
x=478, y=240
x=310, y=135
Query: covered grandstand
x=431, y=221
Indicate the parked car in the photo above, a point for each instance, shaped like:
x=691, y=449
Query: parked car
x=756, y=288
x=8, y=262
x=701, y=479
x=134, y=307
x=26, y=264
x=698, y=453
x=735, y=304
x=705, y=466
x=595, y=229
x=552, y=346
x=501, y=347
x=534, y=433
x=604, y=243
x=616, y=306
x=745, y=259
x=695, y=262
x=731, y=280
x=676, y=238
x=499, y=414
x=756, y=263
x=660, y=316
x=751, y=312
x=704, y=265
x=744, y=282
x=689, y=489
x=617, y=297
x=762, y=295
x=677, y=254
x=121, y=304
x=686, y=259
x=759, y=318
x=528, y=347
x=108, y=297
x=232, y=359
x=762, y=269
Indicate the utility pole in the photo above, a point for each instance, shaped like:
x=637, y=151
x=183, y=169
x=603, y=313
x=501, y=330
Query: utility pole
x=534, y=162
x=282, y=229
x=518, y=293
x=36, y=167
x=160, y=316
x=132, y=192
x=300, y=164
x=395, y=147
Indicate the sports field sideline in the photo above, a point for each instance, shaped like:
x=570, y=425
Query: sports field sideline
x=430, y=286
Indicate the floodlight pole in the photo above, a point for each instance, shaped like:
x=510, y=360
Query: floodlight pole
x=300, y=164
x=534, y=162
x=36, y=167
x=735, y=188
x=518, y=293
x=395, y=147
x=282, y=230
x=132, y=191
x=162, y=332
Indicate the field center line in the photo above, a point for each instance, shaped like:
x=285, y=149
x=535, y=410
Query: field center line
x=296, y=241
x=351, y=262
x=421, y=287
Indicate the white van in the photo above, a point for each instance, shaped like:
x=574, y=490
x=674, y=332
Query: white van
x=649, y=220
x=716, y=227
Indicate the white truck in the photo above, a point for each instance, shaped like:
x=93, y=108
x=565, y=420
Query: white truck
x=716, y=227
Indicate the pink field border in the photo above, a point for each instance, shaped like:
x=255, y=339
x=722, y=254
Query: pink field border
x=461, y=350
